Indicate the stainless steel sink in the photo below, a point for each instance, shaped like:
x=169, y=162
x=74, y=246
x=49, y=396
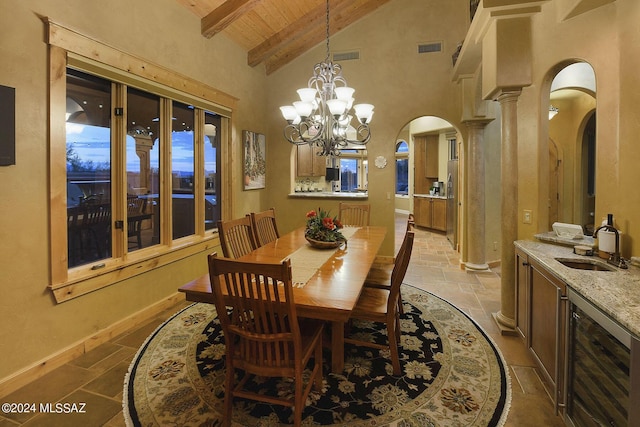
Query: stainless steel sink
x=580, y=264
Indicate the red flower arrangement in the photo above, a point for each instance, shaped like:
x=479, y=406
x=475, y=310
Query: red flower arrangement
x=321, y=226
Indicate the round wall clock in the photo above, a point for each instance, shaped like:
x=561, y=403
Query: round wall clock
x=381, y=162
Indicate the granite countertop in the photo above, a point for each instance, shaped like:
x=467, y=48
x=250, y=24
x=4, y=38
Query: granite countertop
x=552, y=237
x=330, y=194
x=430, y=196
x=616, y=293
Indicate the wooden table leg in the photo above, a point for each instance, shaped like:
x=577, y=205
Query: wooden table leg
x=337, y=346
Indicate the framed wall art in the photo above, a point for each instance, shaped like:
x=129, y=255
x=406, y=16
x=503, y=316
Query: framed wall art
x=254, y=161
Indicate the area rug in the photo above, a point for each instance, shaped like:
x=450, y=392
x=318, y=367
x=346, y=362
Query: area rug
x=452, y=375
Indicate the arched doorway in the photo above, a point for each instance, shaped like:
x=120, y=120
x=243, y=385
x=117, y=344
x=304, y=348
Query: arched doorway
x=432, y=172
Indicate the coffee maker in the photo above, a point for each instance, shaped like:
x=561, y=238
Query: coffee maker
x=438, y=188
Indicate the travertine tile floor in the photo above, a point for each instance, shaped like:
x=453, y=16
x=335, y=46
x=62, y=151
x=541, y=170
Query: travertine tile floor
x=97, y=377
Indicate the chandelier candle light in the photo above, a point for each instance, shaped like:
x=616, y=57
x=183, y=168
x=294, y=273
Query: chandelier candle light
x=323, y=115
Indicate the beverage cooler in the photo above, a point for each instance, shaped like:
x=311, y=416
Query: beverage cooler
x=603, y=369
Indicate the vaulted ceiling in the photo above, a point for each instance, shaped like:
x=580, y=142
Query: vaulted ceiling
x=275, y=32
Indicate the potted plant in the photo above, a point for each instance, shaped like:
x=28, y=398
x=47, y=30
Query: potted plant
x=323, y=230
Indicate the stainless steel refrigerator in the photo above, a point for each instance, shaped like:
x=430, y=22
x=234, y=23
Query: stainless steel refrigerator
x=452, y=203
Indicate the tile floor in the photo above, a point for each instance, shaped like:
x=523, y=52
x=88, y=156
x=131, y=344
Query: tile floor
x=97, y=377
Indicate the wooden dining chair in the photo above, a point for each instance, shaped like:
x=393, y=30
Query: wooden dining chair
x=264, y=226
x=236, y=237
x=381, y=305
x=136, y=206
x=379, y=275
x=352, y=214
x=262, y=333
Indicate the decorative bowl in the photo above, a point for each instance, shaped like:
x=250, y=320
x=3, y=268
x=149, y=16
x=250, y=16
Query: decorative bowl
x=319, y=244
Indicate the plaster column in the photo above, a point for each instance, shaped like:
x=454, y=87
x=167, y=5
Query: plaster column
x=475, y=196
x=509, y=203
x=144, y=144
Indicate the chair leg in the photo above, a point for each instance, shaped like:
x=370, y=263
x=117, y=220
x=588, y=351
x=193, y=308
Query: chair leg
x=298, y=403
x=393, y=331
x=318, y=363
x=400, y=308
x=228, y=396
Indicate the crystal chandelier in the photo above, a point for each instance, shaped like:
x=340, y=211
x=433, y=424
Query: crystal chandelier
x=323, y=115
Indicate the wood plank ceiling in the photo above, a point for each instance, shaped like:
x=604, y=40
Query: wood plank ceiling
x=275, y=32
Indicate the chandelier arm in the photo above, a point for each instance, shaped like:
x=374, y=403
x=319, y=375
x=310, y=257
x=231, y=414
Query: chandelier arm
x=364, y=130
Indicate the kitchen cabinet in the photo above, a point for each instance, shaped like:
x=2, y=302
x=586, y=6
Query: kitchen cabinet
x=541, y=315
x=522, y=294
x=425, y=163
x=308, y=162
x=430, y=212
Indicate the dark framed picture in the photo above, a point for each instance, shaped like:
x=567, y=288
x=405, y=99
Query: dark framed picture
x=254, y=160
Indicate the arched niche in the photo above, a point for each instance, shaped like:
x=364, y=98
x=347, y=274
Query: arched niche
x=571, y=140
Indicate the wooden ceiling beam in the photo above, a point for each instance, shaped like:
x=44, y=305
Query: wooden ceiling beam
x=224, y=15
x=342, y=14
x=311, y=20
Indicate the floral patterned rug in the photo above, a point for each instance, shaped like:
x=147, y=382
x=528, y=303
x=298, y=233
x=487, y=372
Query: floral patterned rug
x=453, y=375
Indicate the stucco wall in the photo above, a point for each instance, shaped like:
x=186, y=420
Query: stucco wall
x=607, y=38
x=32, y=326
x=390, y=74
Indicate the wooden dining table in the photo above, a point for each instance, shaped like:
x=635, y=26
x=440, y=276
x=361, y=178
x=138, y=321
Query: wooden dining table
x=327, y=290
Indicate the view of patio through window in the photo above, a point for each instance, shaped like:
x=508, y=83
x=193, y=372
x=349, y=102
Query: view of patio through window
x=92, y=153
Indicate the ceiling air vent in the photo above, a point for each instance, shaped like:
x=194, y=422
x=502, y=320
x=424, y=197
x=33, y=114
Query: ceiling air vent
x=346, y=56
x=430, y=47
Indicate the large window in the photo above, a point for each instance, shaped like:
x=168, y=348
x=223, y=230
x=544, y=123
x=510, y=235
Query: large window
x=92, y=190
x=135, y=164
x=88, y=127
x=402, y=168
x=353, y=170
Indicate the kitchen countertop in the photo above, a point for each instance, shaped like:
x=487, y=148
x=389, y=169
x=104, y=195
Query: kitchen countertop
x=329, y=194
x=551, y=236
x=616, y=293
x=430, y=196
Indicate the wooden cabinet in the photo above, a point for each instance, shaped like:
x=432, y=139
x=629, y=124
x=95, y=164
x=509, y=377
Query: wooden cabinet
x=422, y=211
x=522, y=271
x=430, y=212
x=308, y=163
x=431, y=157
x=425, y=163
x=541, y=316
x=439, y=214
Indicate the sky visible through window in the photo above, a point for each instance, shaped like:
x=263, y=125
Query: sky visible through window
x=92, y=144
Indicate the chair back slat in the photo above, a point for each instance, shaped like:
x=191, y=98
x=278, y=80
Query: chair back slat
x=262, y=327
x=264, y=226
x=236, y=237
x=136, y=205
x=351, y=214
x=97, y=215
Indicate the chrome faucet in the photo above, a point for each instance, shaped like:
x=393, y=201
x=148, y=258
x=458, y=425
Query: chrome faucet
x=615, y=258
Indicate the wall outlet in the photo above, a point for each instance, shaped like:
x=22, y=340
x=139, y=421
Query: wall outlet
x=526, y=216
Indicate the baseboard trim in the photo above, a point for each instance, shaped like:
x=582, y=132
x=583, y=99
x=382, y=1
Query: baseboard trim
x=38, y=369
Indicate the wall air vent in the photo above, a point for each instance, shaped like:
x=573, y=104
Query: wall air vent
x=430, y=47
x=346, y=56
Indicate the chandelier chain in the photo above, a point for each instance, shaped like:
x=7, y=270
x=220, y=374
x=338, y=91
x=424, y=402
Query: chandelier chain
x=328, y=34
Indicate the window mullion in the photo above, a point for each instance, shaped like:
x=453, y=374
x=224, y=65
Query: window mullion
x=166, y=112
x=198, y=174
x=118, y=170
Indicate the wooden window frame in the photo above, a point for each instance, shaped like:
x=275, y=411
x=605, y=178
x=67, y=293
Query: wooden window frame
x=68, y=48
